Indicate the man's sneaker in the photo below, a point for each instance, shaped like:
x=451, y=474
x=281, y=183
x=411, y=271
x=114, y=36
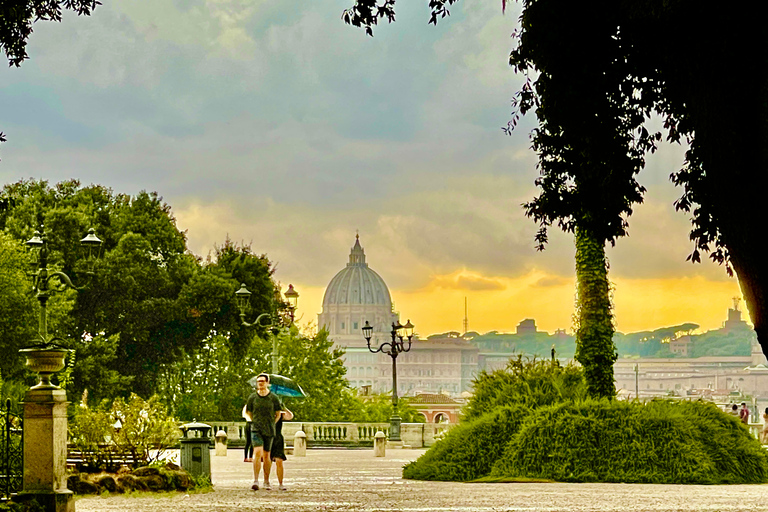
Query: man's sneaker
x=255, y=486
x=267, y=487
x=247, y=459
x=283, y=488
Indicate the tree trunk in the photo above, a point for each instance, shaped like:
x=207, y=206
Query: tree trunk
x=595, y=350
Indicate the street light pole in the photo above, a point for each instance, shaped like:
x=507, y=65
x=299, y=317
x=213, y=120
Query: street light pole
x=274, y=322
x=392, y=349
x=45, y=404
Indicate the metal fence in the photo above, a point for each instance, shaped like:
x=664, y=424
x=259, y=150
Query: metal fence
x=11, y=452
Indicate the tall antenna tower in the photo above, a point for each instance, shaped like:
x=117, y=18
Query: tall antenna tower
x=466, y=318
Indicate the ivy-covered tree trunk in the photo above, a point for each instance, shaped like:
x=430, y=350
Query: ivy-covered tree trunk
x=595, y=350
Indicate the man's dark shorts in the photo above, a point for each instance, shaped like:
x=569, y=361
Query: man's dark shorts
x=264, y=441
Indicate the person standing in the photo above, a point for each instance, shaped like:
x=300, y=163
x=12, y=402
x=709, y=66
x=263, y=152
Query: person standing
x=744, y=413
x=248, y=450
x=264, y=408
x=278, y=447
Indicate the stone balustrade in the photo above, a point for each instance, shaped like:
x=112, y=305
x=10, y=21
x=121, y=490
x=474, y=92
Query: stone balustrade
x=415, y=435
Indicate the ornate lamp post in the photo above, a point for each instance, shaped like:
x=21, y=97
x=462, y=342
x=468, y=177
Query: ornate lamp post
x=273, y=322
x=46, y=357
x=45, y=405
x=392, y=349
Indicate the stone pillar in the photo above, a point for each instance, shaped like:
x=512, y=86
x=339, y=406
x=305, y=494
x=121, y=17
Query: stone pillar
x=45, y=450
x=221, y=443
x=300, y=444
x=380, y=444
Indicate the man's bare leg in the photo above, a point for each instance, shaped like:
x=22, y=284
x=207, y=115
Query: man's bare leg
x=258, y=452
x=267, y=468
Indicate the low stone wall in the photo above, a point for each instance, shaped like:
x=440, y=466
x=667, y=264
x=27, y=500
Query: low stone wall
x=415, y=435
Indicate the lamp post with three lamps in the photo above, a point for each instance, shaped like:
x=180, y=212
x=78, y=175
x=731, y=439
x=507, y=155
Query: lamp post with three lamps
x=45, y=404
x=397, y=346
x=274, y=321
x=44, y=288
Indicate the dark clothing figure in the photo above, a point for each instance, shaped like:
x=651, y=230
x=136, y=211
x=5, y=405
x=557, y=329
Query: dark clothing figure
x=248, y=454
x=278, y=445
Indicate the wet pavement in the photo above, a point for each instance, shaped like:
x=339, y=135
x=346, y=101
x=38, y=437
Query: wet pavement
x=355, y=480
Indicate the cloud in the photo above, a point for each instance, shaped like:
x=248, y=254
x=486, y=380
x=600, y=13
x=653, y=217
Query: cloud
x=550, y=281
x=467, y=281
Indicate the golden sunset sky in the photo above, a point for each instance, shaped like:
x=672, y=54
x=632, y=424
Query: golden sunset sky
x=277, y=125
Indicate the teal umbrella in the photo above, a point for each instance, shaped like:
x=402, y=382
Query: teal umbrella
x=282, y=386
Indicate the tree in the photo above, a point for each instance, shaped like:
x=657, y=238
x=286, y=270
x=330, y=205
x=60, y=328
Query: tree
x=150, y=299
x=316, y=365
x=587, y=168
x=17, y=323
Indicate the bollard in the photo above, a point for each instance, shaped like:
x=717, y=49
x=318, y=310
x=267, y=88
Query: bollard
x=380, y=444
x=300, y=444
x=221, y=443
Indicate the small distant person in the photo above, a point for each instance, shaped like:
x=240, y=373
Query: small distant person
x=764, y=432
x=278, y=447
x=744, y=413
x=734, y=410
x=264, y=408
x=248, y=450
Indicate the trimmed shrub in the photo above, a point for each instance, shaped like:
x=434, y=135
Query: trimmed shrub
x=615, y=441
x=530, y=382
x=469, y=450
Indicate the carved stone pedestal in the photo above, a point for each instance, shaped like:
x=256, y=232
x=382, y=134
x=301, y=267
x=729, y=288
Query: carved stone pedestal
x=45, y=450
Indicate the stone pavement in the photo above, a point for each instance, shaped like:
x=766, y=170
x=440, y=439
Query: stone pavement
x=354, y=480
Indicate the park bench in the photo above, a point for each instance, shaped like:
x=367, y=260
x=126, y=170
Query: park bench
x=106, y=457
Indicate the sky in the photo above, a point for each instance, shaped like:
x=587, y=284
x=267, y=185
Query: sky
x=277, y=125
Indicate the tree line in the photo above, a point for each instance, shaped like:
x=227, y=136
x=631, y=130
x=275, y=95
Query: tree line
x=154, y=319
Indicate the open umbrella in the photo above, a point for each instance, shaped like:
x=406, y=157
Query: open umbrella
x=282, y=386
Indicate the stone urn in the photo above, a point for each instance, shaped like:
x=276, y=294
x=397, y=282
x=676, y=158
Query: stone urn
x=45, y=359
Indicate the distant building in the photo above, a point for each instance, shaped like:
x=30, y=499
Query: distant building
x=357, y=294
x=527, y=326
x=734, y=322
x=436, y=407
x=681, y=346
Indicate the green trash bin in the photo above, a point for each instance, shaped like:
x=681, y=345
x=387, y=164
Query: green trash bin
x=196, y=449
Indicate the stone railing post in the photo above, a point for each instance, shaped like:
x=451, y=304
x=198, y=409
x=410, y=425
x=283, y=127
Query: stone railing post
x=221, y=443
x=300, y=444
x=380, y=444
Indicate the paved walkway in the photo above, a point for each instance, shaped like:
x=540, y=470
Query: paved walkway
x=354, y=480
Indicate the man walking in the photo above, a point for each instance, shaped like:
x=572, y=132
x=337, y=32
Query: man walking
x=264, y=408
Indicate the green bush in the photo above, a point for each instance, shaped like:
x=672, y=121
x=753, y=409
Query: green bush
x=530, y=382
x=469, y=450
x=615, y=441
x=146, y=431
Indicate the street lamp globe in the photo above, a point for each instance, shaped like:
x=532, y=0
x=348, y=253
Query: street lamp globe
x=292, y=296
x=242, y=296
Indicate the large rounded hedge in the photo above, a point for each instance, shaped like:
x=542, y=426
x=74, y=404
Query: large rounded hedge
x=603, y=441
x=470, y=449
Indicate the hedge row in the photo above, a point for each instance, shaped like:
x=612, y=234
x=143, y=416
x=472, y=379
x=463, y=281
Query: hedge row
x=599, y=441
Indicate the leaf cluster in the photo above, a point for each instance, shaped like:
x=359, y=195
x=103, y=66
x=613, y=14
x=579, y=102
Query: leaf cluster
x=367, y=13
x=17, y=17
